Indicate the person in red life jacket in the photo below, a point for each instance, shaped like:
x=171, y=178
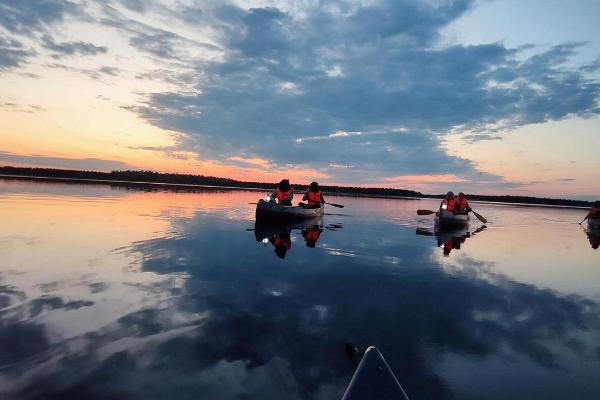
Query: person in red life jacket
x=449, y=203
x=594, y=212
x=284, y=193
x=282, y=243
x=462, y=205
x=313, y=197
x=311, y=235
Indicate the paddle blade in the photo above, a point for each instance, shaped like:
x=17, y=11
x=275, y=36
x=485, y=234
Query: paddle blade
x=425, y=212
x=479, y=217
x=336, y=205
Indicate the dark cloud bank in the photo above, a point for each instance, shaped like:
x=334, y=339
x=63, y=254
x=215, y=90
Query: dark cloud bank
x=368, y=69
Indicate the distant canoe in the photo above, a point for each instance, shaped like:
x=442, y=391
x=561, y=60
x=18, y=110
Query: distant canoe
x=271, y=211
x=447, y=219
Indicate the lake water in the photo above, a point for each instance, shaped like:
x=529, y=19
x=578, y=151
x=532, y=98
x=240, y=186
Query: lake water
x=116, y=293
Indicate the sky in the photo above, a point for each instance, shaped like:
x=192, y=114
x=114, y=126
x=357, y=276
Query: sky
x=488, y=96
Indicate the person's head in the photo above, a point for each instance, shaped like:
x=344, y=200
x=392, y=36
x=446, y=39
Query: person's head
x=450, y=195
x=284, y=185
x=597, y=203
x=461, y=195
x=280, y=250
x=314, y=186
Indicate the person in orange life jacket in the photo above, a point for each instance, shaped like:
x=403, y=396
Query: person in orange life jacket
x=284, y=193
x=313, y=197
x=311, y=235
x=449, y=203
x=594, y=211
x=282, y=243
x=462, y=205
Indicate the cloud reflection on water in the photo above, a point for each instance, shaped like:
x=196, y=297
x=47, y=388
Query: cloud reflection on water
x=221, y=317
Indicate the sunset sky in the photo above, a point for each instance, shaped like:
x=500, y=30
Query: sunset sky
x=495, y=97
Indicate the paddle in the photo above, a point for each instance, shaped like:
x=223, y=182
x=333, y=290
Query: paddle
x=479, y=217
x=583, y=220
x=425, y=212
x=335, y=205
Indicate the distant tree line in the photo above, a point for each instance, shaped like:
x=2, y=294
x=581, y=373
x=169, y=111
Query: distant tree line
x=188, y=179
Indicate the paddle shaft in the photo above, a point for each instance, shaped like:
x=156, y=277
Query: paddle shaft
x=425, y=212
x=479, y=217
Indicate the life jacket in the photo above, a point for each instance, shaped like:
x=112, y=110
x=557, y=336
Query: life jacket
x=285, y=242
x=312, y=233
x=461, y=204
x=282, y=195
x=313, y=198
x=450, y=205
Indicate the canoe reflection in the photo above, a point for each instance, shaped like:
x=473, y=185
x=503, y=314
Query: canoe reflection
x=280, y=234
x=593, y=236
x=450, y=239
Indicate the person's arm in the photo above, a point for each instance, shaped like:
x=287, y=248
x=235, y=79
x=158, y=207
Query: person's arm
x=305, y=197
x=291, y=196
x=322, y=199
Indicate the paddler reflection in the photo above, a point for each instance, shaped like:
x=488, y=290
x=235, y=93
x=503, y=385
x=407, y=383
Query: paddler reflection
x=282, y=243
x=280, y=234
x=451, y=239
x=311, y=235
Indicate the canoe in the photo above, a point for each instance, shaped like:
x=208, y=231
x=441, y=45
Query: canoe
x=593, y=224
x=373, y=380
x=270, y=211
x=451, y=220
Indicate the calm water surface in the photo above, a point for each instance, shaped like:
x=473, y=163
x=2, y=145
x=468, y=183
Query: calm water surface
x=108, y=292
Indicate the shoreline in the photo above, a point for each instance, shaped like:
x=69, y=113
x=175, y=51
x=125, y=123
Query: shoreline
x=175, y=186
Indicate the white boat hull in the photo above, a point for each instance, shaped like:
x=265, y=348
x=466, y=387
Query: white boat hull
x=449, y=219
x=272, y=211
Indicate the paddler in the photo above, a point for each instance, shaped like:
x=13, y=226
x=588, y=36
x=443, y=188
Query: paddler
x=462, y=204
x=313, y=197
x=284, y=193
x=449, y=203
x=594, y=212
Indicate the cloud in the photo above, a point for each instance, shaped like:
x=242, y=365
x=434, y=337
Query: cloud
x=273, y=94
x=12, y=53
x=71, y=48
x=27, y=17
x=24, y=108
x=95, y=74
x=95, y=164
